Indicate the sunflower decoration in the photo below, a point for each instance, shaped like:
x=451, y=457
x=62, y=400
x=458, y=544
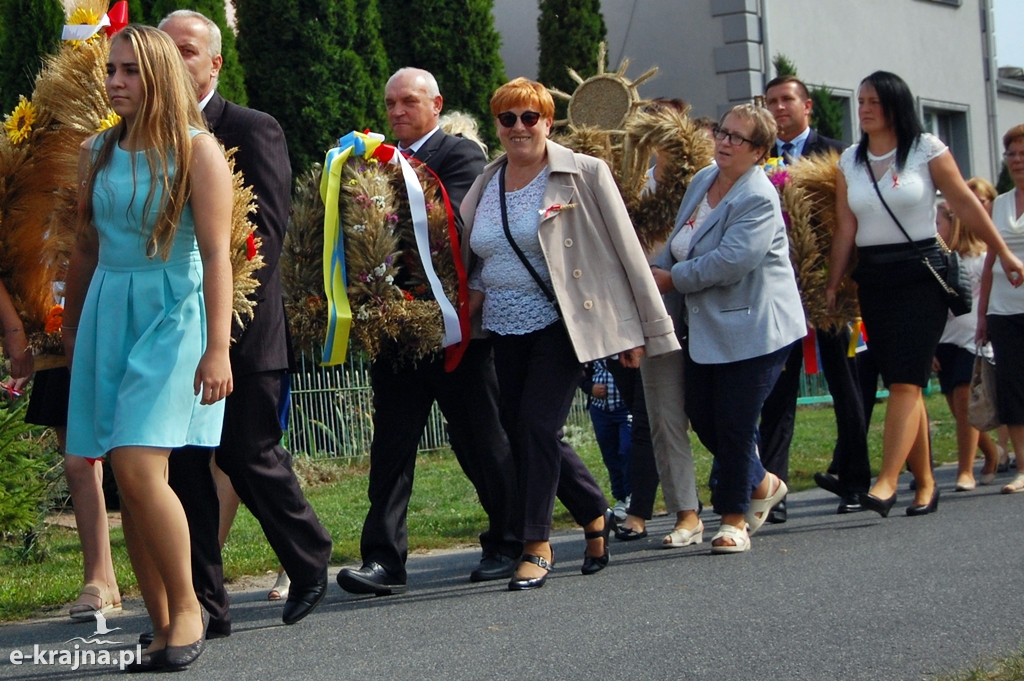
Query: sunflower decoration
x=87, y=14
x=18, y=123
x=809, y=196
x=609, y=120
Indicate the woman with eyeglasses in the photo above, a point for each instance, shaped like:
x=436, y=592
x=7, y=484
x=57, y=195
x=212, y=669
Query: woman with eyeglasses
x=1001, y=307
x=884, y=201
x=728, y=280
x=559, y=278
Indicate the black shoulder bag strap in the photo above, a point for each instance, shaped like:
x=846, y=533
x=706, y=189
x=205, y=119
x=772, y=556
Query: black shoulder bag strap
x=945, y=286
x=515, y=247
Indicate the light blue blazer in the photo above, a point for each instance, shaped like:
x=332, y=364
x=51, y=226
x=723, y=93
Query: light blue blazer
x=736, y=290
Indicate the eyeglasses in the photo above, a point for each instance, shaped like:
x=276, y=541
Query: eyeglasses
x=1009, y=156
x=508, y=118
x=721, y=134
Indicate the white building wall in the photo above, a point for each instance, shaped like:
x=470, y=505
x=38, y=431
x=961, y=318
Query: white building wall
x=712, y=52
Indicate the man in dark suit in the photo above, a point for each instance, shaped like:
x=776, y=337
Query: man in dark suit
x=404, y=395
x=790, y=103
x=250, y=452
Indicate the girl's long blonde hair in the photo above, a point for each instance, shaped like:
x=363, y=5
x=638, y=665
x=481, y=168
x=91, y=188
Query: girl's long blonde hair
x=160, y=128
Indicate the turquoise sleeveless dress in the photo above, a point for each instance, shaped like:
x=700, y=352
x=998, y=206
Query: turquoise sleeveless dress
x=142, y=329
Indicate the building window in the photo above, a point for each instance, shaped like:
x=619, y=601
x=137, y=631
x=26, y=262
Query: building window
x=948, y=122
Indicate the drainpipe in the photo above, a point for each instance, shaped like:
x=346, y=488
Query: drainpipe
x=762, y=11
x=991, y=86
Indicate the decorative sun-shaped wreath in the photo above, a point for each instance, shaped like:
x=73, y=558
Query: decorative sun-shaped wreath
x=609, y=120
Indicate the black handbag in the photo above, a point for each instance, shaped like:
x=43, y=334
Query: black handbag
x=954, y=278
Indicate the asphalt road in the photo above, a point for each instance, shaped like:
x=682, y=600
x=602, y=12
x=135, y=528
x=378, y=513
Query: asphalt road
x=822, y=597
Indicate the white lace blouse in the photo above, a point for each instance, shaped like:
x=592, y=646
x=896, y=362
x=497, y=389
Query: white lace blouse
x=513, y=302
x=909, y=191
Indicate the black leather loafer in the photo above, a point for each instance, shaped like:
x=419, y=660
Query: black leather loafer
x=778, y=514
x=850, y=504
x=829, y=483
x=303, y=599
x=372, y=578
x=218, y=628
x=493, y=566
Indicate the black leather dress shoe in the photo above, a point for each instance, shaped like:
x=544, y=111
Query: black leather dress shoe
x=303, y=599
x=930, y=507
x=829, y=483
x=879, y=506
x=493, y=566
x=372, y=578
x=849, y=504
x=778, y=514
x=218, y=628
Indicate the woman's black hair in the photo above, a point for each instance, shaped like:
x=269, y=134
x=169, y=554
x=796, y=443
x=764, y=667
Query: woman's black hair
x=900, y=113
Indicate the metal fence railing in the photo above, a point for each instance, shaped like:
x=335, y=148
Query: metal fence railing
x=331, y=411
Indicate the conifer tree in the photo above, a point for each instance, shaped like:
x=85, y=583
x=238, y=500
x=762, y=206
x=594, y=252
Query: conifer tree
x=457, y=42
x=29, y=30
x=570, y=33
x=303, y=68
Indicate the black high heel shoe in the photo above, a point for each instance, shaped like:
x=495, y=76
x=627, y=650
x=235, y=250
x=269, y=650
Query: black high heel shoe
x=879, y=506
x=590, y=563
x=930, y=507
x=527, y=583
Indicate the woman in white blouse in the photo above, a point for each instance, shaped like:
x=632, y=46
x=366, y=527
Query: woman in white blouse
x=903, y=306
x=1001, y=308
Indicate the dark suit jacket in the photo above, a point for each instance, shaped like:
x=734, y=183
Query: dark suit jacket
x=815, y=144
x=262, y=158
x=457, y=162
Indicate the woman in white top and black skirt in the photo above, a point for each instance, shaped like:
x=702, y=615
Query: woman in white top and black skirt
x=891, y=177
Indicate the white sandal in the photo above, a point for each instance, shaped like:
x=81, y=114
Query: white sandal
x=740, y=538
x=280, y=588
x=681, y=536
x=1016, y=486
x=758, y=510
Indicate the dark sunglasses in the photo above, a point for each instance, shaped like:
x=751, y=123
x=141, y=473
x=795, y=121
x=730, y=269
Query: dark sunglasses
x=508, y=118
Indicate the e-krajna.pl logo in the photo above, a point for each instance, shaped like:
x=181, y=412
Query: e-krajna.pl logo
x=77, y=657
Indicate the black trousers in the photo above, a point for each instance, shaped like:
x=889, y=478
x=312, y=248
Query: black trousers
x=778, y=417
x=468, y=398
x=643, y=470
x=260, y=470
x=539, y=374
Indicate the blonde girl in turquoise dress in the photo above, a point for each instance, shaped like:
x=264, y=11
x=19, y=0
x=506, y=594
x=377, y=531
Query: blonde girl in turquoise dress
x=147, y=320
